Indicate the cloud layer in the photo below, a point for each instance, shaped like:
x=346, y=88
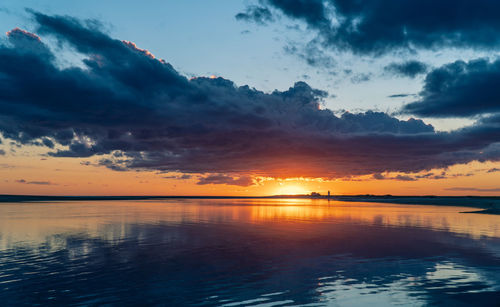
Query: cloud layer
x=138, y=112
x=409, y=69
x=379, y=26
x=460, y=89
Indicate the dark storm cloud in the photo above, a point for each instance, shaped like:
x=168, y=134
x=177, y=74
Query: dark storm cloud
x=409, y=69
x=136, y=112
x=311, y=11
x=460, y=89
x=380, y=26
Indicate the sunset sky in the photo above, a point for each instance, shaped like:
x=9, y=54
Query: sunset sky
x=261, y=97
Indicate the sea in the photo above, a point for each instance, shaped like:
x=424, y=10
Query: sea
x=246, y=252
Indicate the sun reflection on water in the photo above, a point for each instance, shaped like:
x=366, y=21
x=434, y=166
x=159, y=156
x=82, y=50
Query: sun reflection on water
x=33, y=222
x=244, y=251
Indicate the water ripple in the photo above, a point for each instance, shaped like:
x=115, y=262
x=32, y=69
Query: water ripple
x=208, y=254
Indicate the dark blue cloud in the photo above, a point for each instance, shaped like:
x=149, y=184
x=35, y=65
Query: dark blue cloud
x=400, y=95
x=460, y=89
x=136, y=111
x=380, y=26
x=311, y=11
x=409, y=69
x=258, y=14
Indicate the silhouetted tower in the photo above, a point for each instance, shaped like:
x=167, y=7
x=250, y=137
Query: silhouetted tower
x=328, y=193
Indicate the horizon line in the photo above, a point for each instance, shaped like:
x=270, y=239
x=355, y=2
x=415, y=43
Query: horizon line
x=238, y=196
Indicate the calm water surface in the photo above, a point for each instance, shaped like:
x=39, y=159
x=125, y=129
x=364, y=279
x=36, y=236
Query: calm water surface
x=247, y=252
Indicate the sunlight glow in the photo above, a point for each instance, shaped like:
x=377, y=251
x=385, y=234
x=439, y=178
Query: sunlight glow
x=286, y=189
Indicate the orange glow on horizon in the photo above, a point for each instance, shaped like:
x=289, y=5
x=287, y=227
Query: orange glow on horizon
x=288, y=189
x=28, y=172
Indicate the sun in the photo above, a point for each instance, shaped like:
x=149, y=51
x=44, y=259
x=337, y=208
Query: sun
x=290, y=190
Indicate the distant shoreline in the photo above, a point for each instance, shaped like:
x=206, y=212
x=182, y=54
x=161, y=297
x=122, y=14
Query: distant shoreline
x=489, y=204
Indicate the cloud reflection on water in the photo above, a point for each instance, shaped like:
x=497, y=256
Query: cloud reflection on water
x=234, y=251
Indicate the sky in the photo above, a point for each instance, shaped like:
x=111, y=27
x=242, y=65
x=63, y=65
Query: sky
x=249, y=97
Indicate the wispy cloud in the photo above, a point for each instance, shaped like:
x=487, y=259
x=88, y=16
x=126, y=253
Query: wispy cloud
x=179, y=177
x=35, y=182
x=465, y=189
x=227, y=180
